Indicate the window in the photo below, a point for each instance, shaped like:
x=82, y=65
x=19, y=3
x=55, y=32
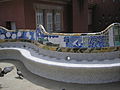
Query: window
x=39, y=17
x=57, y=21
x=11, y=25
x=50, y=17
x=49, y=21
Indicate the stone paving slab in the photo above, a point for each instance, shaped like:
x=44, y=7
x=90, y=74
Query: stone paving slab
x=34, y=82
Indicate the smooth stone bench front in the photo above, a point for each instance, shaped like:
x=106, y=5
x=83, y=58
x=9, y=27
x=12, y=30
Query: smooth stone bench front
x=44, y=66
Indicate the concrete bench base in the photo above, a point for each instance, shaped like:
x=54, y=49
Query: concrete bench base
x=86, y=72
x=66, y=72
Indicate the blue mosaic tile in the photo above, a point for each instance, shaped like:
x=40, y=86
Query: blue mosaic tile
x=66, y=39
x=70, y=41
x=74, y=41
x=2, y=31
x=32, y=35
x=97, y=41
x=53, y=36
x=85, y=41
x=20, y=36
x=24, y=35
x=8, y=35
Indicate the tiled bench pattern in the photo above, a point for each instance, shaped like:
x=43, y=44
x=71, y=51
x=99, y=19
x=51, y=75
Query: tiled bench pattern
x=110, y=37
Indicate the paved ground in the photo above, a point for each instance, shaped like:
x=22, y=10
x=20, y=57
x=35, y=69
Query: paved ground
x=34, y=82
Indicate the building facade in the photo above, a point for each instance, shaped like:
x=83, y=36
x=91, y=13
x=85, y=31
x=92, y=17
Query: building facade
x=27, y=14
x=59, y=15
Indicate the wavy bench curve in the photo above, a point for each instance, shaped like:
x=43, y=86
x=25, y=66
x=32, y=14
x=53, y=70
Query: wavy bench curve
x=94, y=57
x=60, y=69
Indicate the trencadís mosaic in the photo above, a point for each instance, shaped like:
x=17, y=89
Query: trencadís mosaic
x=110, y=37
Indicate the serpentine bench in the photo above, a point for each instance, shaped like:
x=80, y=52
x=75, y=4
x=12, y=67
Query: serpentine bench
x=93, y=57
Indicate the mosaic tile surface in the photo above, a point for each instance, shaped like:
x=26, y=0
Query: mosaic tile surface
x=116, y=31
x=77, y=43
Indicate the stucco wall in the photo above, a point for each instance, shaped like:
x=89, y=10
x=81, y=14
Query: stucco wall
x=80, y=16
x=12, y=11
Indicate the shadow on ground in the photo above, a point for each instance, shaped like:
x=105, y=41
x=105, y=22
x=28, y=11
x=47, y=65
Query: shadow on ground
x=55, y=85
